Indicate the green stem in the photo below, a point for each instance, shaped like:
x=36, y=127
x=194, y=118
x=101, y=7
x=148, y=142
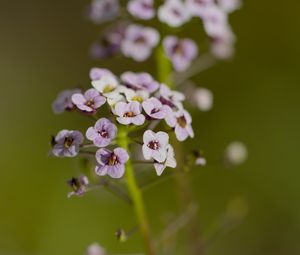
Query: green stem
x=136, y=195
x=185, y=194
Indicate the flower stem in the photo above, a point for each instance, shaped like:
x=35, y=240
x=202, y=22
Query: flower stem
x=136, y=195
x=185, y=194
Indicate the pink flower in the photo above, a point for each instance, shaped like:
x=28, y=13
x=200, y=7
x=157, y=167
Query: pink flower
x=129, y=113
x=180, y=51
x=139, y=42
x=155, y=145
x=174, y=13
x=89, y=102
x=181, y=122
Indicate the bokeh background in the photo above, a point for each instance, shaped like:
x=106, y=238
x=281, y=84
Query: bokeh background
x=43, y=50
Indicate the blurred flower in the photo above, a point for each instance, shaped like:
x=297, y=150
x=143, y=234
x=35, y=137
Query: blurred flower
x=139, y=41
x=103, y=10
x=236, y=153
x=215, y=21
x=142, y=9
x=229, y=5
x=63, y=101
x=102, y=133
x=129, y=113
x=111, y=162
x=139, y=81
x=106, y=85
x=110, y=42
x=66, y=143
x=90, y=101
x=155, y=109
x=180, y=51
x=102, y=49
x=78, y=186
x=222, y=47
x=203, y=99
x=95, y=249
x=97, y=73
x=181, y=122
x=198, y=7
x=155, y=145
x=169, y=162
x=138, y=95
x=174, y=13
x=170, y=97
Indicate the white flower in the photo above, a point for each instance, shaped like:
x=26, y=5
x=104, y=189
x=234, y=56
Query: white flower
x=169, y=162
x=138, y=95
x=155, y=145
x=106, y=85
x=174, y=13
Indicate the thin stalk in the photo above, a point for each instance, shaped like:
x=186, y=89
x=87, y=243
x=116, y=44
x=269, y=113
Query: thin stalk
x=136, y=195
x=185, y=194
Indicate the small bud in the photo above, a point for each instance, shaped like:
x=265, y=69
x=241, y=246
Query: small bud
x=198, y=158
x=200, y=161
x=78, y=186
x=95, y=249
x=121, y=235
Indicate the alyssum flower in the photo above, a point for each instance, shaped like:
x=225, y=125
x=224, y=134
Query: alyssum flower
x=63, y=102
x=66, y=143
x=111, y=162
x=142, y=9
x=139, y=42
x=130, y=99
x=181, y=52
x=102, y=133
x=90, y=101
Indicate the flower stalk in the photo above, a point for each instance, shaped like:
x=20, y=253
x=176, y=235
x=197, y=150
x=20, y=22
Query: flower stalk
x=136, y=195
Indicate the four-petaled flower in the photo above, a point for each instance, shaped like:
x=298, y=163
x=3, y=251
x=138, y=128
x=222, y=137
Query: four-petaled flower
x=139, y=81
x=102, y=133
x=174, y=13
x=97, y=73
x=180, y=51
x=78, y=186
x=181, y=122
x=169, y=162
x=67, y=143
x=111, y=162
x=129, y=113
x=154, y=145
x=63, y=102
x=89, y=102
x=142, y=9
x=169, y=97
x=155, y=109
x=139, y=41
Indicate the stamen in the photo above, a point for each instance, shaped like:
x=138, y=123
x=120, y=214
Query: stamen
x=154, y=145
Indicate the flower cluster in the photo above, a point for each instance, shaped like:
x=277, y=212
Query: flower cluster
x=134, y=99
x=137, y=41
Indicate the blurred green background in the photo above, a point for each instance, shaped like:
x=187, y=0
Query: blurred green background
x=43, y=50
